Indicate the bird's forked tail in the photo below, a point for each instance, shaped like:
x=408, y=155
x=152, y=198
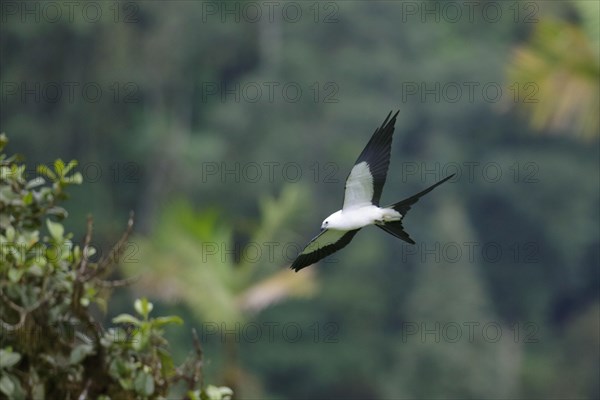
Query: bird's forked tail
x=395, y=227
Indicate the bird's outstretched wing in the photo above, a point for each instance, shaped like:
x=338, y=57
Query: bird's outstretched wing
x=365, y=182
x=325, y=243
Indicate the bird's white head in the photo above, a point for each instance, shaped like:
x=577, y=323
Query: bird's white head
x=332, y=222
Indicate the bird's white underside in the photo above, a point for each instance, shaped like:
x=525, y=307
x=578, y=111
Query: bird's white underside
x=358, y=211
x=359, y=217
x=343, y=221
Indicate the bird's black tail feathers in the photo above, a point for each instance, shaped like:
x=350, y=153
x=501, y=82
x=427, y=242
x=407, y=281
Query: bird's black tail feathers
x=395, y=228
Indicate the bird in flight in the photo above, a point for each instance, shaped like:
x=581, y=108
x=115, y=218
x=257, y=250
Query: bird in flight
x=361, y=201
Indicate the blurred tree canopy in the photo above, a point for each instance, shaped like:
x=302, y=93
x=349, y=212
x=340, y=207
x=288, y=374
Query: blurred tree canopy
x=563, y=58
x=174, y=130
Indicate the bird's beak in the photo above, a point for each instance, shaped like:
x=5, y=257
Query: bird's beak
x=322, y=229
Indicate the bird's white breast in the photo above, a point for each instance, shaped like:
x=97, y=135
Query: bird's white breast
x=358, y=217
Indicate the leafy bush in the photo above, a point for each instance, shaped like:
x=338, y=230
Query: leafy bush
x=51, y=345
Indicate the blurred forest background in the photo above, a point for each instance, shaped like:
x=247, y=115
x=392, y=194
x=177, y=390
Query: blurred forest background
x=229, y=128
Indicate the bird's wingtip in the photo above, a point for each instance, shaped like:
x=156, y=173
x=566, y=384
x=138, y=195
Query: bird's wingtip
x=390, y=119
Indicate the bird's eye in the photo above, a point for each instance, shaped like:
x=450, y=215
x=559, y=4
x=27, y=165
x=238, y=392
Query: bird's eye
x=326, y=222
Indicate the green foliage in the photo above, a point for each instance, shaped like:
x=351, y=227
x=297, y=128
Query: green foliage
x=562, y=59
x=51, y=345
x=190, y=263
x=190, y=251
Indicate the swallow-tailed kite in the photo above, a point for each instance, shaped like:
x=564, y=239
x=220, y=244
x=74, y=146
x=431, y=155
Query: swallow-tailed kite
x=361, y=201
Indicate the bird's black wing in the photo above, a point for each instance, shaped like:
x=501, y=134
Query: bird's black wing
x=366, y=179
x=325, y=243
